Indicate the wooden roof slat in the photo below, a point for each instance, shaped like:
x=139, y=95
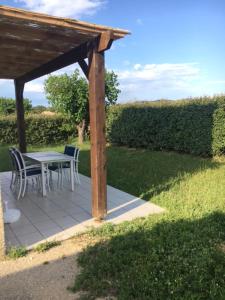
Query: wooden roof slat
x=63, y=22
x=33, y=44
x=24, y=66
x=26, y=31
x=28, y=51
x=9, y=42
x=4, y=57
x=20, y=52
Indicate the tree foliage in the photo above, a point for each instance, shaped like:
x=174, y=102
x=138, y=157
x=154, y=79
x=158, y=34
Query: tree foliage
x=68, y=94
x=111, y=88
x=8, y=106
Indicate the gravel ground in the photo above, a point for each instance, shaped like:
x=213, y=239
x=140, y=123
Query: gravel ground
x=41, y=275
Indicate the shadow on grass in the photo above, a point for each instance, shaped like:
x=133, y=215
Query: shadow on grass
x=142, y=173
x=169, y=260
x=146, y=173
x=136, y=260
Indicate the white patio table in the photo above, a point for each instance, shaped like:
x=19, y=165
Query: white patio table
x=45, y=158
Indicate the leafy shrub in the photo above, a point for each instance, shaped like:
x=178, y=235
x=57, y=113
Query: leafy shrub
x=40, y=130
x=219, y=130
x=47, y=245
x=16, y=252
x=193, y=126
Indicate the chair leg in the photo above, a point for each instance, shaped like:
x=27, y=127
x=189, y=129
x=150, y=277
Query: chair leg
x=39, y=183
x=66, y=174
x=61, y=174
x=48, y=180
x=58, y=177
x=15, y=183
x=12, y=180
x=20, y=188
x=24, y=187
x=77, y=174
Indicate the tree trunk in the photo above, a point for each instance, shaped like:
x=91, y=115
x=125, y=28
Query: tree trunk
x=81, y=130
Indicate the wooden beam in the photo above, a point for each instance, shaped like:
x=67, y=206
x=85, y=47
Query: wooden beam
x=59, y=62
x=2, y=231
x=6, y=76
x=84, y=66
x=43, y=34
x=105, y=41
x=9, y=52
x=16, y=68
x=11, y=42
x=18, y=59
x=6, y=63
x=97, y=128
x=24, y=51
x=19, y=88
x=28, y=17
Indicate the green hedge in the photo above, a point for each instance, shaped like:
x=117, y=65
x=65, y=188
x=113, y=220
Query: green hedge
x=40, y=130
x=193, y=126
x=218, y=132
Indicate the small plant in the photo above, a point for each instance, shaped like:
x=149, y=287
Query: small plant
x=46, y=246
x=16, y=252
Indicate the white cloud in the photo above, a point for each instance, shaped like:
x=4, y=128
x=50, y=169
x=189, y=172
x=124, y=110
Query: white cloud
x=154, y=81
x=150, y=72
x=64, y=8
x=137, y=66
x=34, y=87
x=212, y=82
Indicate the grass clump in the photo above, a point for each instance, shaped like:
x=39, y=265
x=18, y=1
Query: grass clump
x=174, y=255
x=16, y=252
x=46, y=246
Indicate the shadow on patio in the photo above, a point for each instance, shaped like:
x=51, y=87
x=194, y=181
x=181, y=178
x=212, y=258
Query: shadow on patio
x=63, y=213
x=172, y=259
x=147, y=173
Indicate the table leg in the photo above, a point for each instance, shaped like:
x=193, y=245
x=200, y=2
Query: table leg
x=72, y=175
x=43, y=179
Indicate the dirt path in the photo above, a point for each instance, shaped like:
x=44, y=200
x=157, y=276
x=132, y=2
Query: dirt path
x=41, y=275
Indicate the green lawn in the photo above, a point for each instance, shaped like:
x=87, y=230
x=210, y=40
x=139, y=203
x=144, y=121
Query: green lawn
x=176, y=255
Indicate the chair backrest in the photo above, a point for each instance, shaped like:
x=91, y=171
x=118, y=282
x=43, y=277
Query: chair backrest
x=72, y=151
x=19, y=159
x=15, y=162
x=76, y=155
x=69, y=150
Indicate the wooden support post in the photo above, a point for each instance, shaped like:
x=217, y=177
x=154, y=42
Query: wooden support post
x=19, y=87
x=2, y=231
x=97, y=128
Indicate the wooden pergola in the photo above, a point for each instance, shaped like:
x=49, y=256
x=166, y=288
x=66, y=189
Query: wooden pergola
x=33, y=45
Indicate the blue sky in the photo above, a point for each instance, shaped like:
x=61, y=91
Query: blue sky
x=176, y=48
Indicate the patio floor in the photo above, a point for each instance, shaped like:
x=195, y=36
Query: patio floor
x=63, y=213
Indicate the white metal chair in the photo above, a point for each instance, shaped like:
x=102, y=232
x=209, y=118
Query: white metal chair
x=63, y=167
x=73, y=151
x=28, y=164
x=23, y=173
